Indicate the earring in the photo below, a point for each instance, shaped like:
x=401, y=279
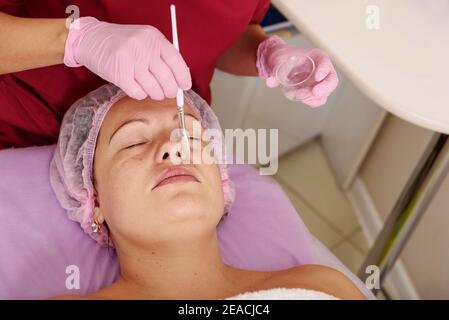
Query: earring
x=96, y=227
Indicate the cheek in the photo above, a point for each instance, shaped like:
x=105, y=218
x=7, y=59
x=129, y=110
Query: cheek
x=121, y=194
x=214, y=190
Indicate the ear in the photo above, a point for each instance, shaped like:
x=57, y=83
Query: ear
x=98, y=216
x=96, y=198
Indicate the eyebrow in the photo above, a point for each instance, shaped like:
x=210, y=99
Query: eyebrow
x=144, y=120
x=186, y=114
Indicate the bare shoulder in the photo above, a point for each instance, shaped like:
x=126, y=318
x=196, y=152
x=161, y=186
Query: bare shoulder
x=317, y=277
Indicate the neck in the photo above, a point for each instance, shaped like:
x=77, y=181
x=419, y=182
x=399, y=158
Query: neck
x=185, y=269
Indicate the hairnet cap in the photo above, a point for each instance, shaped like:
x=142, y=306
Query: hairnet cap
x=71, y=169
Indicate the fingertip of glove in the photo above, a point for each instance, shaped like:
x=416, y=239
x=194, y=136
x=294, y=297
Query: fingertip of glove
x=271, y=82
x=140, y=95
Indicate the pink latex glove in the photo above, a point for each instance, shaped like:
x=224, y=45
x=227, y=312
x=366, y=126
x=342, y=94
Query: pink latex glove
x=273, y=51
x=136, y=58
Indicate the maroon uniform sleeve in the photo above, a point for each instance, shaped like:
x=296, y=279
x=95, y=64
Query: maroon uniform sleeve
x=13, y=7
x=260, y=11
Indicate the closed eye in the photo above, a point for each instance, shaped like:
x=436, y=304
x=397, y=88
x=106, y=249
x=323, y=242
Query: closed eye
x=134, y=145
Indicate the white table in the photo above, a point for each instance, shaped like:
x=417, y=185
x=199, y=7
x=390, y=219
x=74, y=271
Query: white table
x=404, y=67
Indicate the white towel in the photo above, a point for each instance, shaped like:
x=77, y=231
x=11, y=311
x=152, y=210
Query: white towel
x=284, y=294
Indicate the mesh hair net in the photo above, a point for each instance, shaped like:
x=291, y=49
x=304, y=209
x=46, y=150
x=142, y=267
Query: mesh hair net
x=71, y=169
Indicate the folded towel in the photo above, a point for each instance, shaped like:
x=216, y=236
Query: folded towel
x=284, y=294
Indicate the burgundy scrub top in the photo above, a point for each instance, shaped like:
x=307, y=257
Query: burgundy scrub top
x=33, y=102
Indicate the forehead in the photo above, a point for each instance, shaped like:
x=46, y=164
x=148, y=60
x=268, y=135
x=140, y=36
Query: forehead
x=128, y=108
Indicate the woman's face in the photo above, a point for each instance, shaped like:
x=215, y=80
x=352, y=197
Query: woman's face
x=134, y=153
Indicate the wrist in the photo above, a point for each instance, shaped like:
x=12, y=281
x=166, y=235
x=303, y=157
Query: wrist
x=61, y=38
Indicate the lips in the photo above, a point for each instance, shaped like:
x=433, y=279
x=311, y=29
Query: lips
x=175, y=175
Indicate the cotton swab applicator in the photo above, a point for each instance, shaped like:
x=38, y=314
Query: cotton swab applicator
x=185, y=145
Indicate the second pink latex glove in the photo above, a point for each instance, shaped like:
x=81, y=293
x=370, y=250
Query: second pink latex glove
x=136, y=58
x=273, y=51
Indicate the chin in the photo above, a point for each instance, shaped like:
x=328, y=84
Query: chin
x=187, y=208
x=185, y=224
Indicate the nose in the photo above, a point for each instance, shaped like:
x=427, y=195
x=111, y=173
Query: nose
x=170, y=151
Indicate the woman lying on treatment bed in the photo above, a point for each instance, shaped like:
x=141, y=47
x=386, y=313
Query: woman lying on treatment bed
x=114, y=172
